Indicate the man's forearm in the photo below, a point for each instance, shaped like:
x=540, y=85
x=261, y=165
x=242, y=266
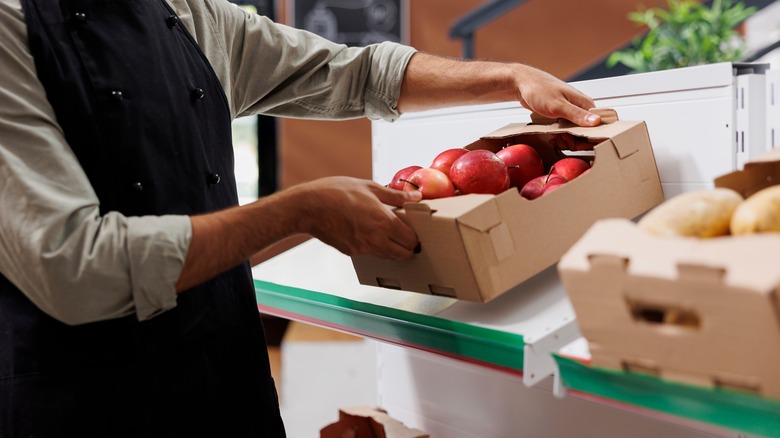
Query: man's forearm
x=434, y=82
x=226, y=238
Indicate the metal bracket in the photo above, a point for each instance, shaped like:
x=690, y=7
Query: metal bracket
x=465, y=27
x=538, y=362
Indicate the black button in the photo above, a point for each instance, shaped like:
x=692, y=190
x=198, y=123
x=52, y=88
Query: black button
x=137, y=186
x=213, y=178
x=172, y=20
x=80, y=16
x=117, y=95
x=198, y=93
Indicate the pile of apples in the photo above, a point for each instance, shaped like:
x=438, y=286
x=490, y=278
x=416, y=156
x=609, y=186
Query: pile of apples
x=461, y=171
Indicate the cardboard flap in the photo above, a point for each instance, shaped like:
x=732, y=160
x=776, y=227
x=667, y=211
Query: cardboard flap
x=758, y=174
x=485, y=218
x=419, y=208
x=452, y=207
x=628, y=142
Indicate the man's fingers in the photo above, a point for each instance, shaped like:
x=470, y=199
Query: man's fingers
x=578, y=112
x=396, y=198
x=582, y=117
x=397, y=251
x=404, y=235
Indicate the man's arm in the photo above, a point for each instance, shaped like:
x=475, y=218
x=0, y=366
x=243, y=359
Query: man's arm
x=352, y=215
x=434, y=82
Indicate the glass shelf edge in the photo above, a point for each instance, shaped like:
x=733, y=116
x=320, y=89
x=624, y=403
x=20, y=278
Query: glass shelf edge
x=487, y=347
x=741, y=412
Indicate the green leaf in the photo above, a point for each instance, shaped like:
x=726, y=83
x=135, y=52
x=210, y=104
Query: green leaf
x=685, y=33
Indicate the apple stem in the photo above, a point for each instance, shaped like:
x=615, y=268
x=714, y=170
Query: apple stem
x=546, y=180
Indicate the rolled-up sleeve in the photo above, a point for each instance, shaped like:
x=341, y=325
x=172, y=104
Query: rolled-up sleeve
x=270, y=68
x=75, y=264
x=156, y=252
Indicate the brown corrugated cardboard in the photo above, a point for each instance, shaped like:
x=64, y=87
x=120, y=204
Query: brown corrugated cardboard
x=368, y=422
x=476, y=247
x=762, y=172
x=700, y=311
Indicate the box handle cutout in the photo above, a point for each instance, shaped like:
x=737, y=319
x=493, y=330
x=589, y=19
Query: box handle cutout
x=664, y=315
x=638, y=367
x=742, y=385
x=389, y=283
x=608, y=261
x=442, y=291
x=691, y=271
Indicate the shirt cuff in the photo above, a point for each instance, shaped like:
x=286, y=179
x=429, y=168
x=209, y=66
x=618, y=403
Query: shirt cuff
x=157, y=249
x=388, y=67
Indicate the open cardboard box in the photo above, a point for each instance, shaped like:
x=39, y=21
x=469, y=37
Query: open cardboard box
x=699, y=311
x=476, y=247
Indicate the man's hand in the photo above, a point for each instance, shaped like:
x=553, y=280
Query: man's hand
x=355, y=216
x=548, y=96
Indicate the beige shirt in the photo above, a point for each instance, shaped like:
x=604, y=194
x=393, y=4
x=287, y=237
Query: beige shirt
x=79, y=266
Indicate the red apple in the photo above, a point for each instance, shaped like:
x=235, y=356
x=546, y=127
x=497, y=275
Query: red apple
x=551, y=188
x=399, y=179
x=444, y=160
x=479, y=171
x=570, y=167
x=523, y=164
x=431, y=183
x=539, y=185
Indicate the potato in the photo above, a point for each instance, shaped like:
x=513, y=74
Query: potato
x=700, y=213
x=759, y=213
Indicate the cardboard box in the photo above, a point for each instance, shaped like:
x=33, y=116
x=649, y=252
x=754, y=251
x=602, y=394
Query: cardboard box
x=699, y=311
x=476, y=247
x=368, y=422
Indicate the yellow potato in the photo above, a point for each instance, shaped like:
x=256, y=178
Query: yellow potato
x=759, y=213
x=700, y=213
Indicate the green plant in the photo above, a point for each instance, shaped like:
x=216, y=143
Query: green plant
x=687, y=33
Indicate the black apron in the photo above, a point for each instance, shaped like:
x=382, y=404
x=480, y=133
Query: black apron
x=149, y=122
